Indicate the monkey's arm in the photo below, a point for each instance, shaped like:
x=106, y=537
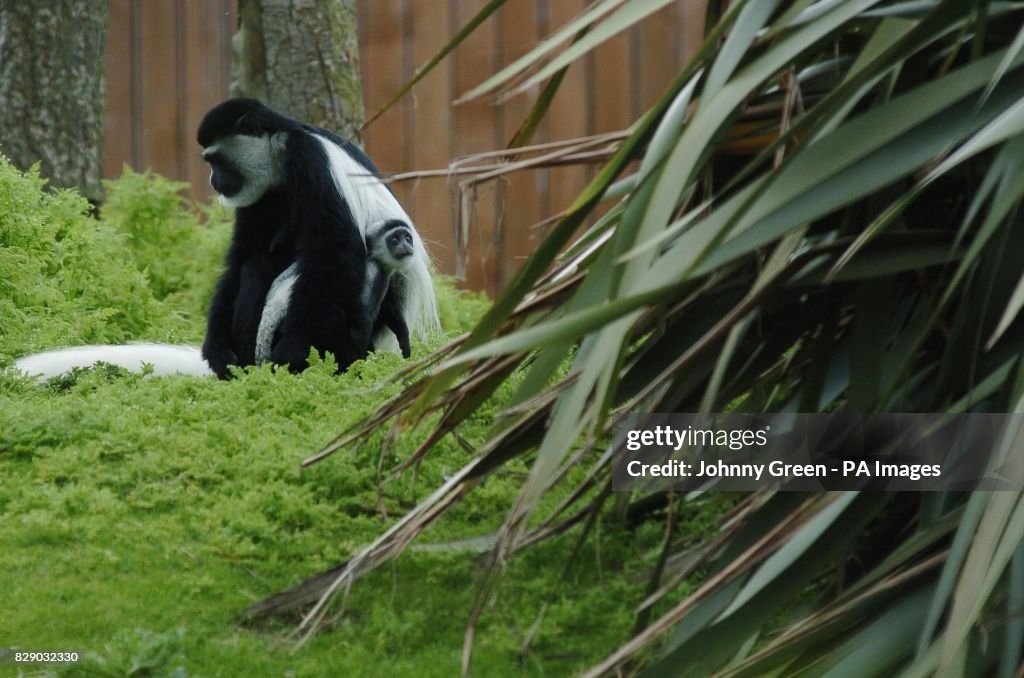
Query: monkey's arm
x=325, y=313
x=217, y=348
x=391, y=315
x=375, y=289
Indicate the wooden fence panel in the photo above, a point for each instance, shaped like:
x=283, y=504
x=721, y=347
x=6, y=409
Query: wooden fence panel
x=611, y=100
x=659, y=59
x=207, y=29
x=569, y=117
x=159, y=84
x=117, y=128
x=521, y=202
x=476, y=131
x=384, y=47
x=432, y=128
x=168, y=62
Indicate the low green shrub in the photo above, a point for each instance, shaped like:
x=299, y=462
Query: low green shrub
x=180, y=255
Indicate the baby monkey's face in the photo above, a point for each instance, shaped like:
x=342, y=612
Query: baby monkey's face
x=400, y=243
x=391, y=244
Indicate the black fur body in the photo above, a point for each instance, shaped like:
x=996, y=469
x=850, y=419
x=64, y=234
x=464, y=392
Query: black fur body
x=300, y=218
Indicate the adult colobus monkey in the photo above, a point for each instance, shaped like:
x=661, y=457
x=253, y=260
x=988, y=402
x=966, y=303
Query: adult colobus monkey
x=305, y=198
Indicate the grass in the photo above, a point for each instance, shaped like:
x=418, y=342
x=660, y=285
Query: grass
x=140, y=515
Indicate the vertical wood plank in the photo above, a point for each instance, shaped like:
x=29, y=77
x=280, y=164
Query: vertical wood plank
x=117, y=126
x=206, y=76
x=431, y=145
x=611, y=85
x=159, y=87
x=385, y=41
x=690, y=17
x=520, y=205
x=181, y=89
x=658, y=63
x=202, y=83
x=477, y=131
x=611, y=91
x=409, y=130
x=135, y=31
x=568, y=114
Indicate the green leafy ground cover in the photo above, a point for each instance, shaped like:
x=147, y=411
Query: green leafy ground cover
x=139, y=516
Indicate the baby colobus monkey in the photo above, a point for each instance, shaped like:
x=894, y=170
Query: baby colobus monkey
x=390, y=247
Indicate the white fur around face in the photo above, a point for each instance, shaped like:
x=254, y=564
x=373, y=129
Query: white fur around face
x=258, y=159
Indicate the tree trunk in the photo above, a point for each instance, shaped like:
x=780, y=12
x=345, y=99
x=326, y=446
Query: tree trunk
x=52, y=89
x=301, y=57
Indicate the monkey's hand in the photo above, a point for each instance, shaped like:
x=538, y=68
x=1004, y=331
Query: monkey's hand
x=218, y=357
x=291, y=351
x=404, y=345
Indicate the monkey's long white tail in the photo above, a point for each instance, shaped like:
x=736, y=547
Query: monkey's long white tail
x=165, y=359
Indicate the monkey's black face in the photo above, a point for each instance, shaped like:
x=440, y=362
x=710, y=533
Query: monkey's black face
x=399, y=242
x=245, y=167
x=224, y=178
x=244, y=143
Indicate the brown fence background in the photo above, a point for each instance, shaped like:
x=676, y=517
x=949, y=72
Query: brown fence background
x=168, y=61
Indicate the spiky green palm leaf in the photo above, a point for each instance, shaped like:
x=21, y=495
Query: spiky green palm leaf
x=865, y=256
